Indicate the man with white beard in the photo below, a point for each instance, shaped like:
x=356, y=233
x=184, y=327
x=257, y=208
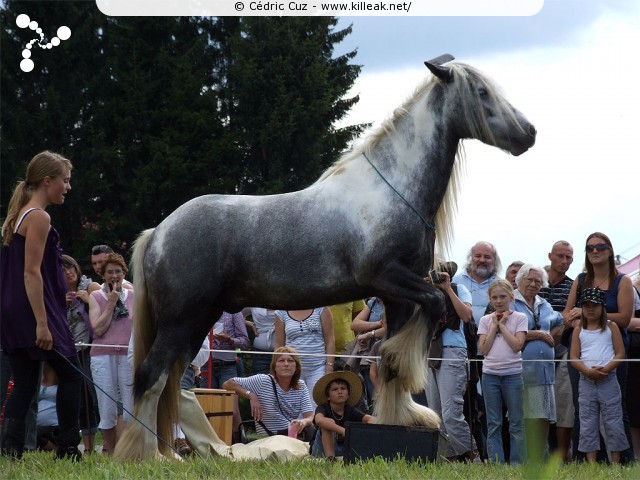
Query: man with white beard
x=480, y=270
x=483, y=264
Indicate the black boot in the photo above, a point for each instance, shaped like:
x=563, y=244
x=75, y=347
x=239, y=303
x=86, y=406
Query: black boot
x=13, y=431
x=67, y=443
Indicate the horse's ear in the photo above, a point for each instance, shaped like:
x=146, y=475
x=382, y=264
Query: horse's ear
x=444, y=58
x=443, y=73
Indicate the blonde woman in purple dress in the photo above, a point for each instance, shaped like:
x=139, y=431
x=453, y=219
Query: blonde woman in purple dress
x=33, y=305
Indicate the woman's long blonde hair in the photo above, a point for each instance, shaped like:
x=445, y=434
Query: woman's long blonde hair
x=44, y=164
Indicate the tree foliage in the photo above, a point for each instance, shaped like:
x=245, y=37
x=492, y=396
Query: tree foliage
x=153, y=111
x=284, y=93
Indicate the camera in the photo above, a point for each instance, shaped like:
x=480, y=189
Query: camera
x=435, y=276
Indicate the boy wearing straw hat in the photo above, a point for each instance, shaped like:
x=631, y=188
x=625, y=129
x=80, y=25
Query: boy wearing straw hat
x=336, y=393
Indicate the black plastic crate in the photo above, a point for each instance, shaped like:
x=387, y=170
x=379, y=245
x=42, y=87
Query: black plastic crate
x=369, y=440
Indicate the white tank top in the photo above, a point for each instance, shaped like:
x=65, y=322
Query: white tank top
x=596, y=347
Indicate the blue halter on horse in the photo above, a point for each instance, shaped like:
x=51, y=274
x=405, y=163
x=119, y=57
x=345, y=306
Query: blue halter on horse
x=367, y=227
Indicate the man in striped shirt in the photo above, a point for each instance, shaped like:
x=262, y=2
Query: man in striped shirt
x=561, y=258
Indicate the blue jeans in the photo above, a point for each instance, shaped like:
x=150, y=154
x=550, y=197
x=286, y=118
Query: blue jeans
x=495, y=388
x=317, y=450
x=219, y=375
x=261, y=364
x=369, y=386
x=188, y=380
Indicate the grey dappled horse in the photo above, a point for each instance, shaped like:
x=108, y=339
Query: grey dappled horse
x=367, y=227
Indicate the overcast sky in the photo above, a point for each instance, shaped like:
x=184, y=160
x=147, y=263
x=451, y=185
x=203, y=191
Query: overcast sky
x=385, y=43
x=573, y=69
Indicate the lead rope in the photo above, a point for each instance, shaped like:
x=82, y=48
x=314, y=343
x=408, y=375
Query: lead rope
x=429, y=225
x=155, y=434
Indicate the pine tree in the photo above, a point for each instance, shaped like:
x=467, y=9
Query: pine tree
x=154, y=111
x=283, y=94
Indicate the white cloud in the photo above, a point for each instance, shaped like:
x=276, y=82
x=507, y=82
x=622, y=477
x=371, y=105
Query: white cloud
x=582, y=175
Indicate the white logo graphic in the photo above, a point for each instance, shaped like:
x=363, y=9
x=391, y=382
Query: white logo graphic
x=23, y=21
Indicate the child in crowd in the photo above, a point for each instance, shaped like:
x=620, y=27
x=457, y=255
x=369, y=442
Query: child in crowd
x=501, y=338
x=597, y=350
x=336, y=393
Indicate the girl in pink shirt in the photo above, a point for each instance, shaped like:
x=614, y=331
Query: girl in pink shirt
x=501, y=338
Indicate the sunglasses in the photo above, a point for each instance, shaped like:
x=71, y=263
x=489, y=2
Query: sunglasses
x=100, y=249
x=600, y=247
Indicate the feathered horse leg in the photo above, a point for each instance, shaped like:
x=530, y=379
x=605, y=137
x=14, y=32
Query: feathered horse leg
x=156, y=389
x=402, y=371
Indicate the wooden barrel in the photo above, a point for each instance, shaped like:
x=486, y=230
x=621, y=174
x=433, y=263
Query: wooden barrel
x=218, y=407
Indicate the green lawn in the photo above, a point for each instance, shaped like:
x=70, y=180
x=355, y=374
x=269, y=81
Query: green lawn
x=42, y=465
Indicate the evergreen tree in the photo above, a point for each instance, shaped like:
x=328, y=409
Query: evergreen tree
x=154, y=111
x=126, y=100
x=159, y=123
x=52, y=106
x=283, y=93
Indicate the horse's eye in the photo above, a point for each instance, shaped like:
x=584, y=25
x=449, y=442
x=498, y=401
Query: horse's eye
x=482, y=92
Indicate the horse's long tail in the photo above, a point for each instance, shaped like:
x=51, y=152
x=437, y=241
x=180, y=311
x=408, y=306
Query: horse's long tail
x=402, y=371
x=144, y=325
x=136, y=442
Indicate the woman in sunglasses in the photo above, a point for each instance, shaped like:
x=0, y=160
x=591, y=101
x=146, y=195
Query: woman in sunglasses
x=601, y=272
x=538, y=377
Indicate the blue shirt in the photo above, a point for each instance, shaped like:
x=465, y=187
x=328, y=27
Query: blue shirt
x=538, y=373
x=455, y=338
x=479, y=292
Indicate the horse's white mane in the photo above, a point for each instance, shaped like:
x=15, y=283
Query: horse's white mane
x=463, y=81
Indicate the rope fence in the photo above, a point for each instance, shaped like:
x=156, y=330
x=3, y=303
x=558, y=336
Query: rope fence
x=367, y=357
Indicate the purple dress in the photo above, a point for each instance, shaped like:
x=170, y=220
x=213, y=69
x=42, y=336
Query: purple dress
x=17, y=322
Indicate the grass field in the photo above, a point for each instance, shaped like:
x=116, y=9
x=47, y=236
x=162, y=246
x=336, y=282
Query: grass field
x=41, y=465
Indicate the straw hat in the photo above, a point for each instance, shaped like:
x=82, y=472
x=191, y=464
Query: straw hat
x=355, y=386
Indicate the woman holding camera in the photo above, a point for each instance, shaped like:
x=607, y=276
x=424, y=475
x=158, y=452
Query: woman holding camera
x=111, y=313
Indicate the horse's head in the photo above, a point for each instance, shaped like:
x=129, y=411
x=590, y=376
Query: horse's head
x=477, y=109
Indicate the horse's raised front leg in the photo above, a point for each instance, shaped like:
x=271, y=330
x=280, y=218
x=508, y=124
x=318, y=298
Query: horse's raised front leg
x=403, y=370
x=397, y=282
x=404, y=352
x=409, y=331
